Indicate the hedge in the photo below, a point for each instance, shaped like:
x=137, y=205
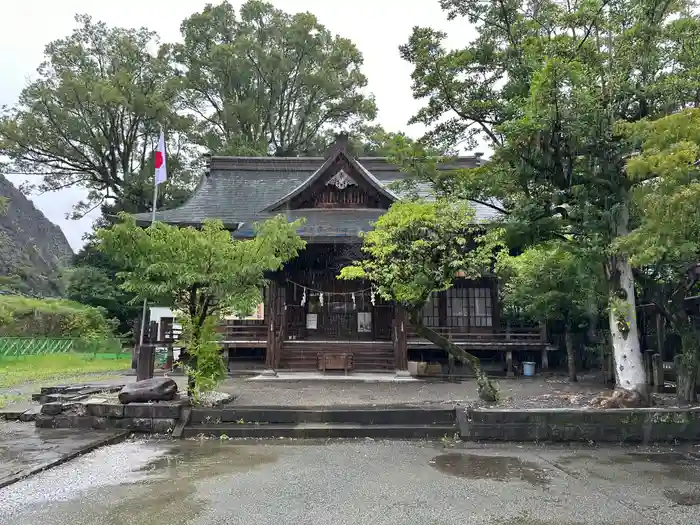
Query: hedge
x=27, y=317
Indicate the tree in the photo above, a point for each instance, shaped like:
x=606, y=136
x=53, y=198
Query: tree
x=203, y=273
x=268, y=82
x=92, y=118
x=550, y=283
x=665, y=245
x=545, y=84
x=416, y=249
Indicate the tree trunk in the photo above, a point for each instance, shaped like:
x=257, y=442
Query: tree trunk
x=627, y=354
x=570, y=353
x=487, y=391
x=687, y=368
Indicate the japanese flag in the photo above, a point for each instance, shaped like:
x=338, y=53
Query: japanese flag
x=161, y=173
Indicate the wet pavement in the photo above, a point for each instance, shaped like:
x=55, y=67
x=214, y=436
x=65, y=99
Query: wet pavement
x=160, y=482
x=23, y=447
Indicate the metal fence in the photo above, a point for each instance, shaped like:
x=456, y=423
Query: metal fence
x=24, y=346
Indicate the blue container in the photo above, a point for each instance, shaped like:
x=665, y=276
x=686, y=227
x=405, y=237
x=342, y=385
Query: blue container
x=528, y=368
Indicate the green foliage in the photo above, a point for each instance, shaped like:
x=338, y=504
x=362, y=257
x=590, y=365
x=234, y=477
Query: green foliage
x=202, y=344
x=548, y=282
x=22, y=316
x=545, y=88
x=95, y=287
x=666, y=203
x=665, y=244
x=91, y=118
x=417, y=248
x=266, y=81
x=202, y=272
x=4, y=202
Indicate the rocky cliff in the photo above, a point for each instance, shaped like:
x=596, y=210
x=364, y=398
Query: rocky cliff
x=33, y=250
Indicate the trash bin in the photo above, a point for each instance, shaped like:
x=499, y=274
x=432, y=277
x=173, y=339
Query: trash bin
x=528, y=368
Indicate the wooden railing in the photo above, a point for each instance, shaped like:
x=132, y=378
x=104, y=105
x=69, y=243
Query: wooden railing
x=532, y=335
x=257, y=331
x=243, y=332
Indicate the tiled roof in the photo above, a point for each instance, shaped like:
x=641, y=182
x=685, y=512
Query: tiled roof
x=237, y=190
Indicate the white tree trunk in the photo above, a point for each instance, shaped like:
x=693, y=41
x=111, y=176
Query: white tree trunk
x=629, y=367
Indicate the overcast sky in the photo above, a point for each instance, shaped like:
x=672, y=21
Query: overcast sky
x=377, y=27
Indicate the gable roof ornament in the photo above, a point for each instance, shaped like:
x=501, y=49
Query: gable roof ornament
x=341, y=180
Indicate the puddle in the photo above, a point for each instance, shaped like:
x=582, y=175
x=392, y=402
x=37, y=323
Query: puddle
x=499, y=468
x=685, y=499
x=207, y=459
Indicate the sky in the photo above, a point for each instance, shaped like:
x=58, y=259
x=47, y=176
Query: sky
x=377, y=27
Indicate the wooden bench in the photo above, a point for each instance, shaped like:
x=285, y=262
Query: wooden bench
x=335, y=361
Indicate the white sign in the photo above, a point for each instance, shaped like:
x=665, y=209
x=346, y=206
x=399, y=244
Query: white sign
x=311, y=321
x=364, y=321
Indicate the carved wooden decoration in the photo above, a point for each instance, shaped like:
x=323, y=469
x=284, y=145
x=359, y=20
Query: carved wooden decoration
x=341, y=180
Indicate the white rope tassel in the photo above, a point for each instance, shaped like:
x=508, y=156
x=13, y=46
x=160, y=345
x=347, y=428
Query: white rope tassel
x=320, y=298
x=303, y=297
x=354, y=304
x=371, y=296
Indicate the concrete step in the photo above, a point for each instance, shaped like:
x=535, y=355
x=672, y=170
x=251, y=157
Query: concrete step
x=321, y=431
x=438, y=415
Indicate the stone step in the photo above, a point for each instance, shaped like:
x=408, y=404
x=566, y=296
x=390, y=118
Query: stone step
x=327, y=415
x=322, y=431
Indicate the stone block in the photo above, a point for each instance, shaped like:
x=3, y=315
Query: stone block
x=163, y=426
x=30, y=415
x=134, y=424
x=165, y=410
x=105, y=410
x=52, y=409
x=138, y=410
x=52, y=389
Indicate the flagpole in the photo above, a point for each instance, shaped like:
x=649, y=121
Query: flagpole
x=153, y=219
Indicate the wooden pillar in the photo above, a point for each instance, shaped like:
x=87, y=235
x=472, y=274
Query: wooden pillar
x=657, y=367
x=276, y=323
x=145, y=362
x=509, y=363
x=400, y=338
x=660, y=326
x=545, y=359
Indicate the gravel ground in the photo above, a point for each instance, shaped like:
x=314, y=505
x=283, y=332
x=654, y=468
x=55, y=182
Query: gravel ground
x=519, y=392
x=357, y=483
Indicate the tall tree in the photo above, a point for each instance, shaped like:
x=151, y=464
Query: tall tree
x=416, y=249
x=551, y=283
x=545, y=84
x=91, y=119
x=665, y=245
x=203, y=272
x=267, y=82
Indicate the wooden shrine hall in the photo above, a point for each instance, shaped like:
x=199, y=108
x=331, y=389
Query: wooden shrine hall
x=312, y=320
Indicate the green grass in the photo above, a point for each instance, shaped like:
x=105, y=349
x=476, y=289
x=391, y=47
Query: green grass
x=35, y=368
x=12, y=398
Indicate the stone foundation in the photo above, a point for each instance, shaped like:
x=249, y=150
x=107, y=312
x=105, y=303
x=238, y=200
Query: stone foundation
x=634, y=425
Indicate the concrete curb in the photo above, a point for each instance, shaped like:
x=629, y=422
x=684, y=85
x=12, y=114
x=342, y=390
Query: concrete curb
x=64, y=459
x=623, y=425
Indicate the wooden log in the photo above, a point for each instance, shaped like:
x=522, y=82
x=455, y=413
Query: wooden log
x=658, y=372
